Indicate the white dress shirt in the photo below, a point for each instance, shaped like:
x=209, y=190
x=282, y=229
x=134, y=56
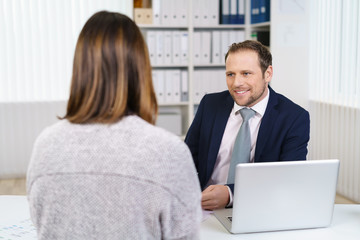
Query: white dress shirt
x=222, y=164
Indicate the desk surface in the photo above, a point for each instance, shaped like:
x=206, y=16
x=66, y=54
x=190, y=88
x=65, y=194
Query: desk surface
x=345, y=226
x=14, y=214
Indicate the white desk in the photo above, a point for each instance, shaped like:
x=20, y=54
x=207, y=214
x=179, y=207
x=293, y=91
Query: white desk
x=15, y=221
x=345, y=226
x=14, y=211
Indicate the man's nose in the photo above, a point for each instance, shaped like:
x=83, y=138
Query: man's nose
x=239, y=80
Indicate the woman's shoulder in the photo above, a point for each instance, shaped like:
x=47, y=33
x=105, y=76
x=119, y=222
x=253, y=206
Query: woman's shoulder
x=150, y=131
x=53, y=131
x=158, y=142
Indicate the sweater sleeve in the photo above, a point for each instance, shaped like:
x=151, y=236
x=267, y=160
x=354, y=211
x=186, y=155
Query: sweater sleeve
x=182, y=213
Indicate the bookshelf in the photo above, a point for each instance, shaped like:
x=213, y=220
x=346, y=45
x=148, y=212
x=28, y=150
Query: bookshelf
x=202, y=71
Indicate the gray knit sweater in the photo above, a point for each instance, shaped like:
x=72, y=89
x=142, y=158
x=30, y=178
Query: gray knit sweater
x=129, y=180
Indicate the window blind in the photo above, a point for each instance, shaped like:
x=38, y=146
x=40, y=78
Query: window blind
x=38, y=42
x=335, y=89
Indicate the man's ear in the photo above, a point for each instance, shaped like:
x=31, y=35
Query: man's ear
x=268, y=74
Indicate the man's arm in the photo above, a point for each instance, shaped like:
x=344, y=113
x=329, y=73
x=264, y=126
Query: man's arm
x=295, y=144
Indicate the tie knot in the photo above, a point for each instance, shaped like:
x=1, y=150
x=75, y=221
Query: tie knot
x=247, y=113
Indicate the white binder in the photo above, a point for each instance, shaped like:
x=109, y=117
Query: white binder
x=156, y=7
x=154, y=75
x=173, y=11
x=216, y=57
x=167, y=48
x=168, y=86
x=240, y=35
x=224, y=43
x=205, y=46
x=184, y=47
x=159, y=47
x=166, y=15
x=181, y=11
x=197, y=47
x=204, y=13
x=176, y=47
x=159, y=85
x=197, y=86
x=197, y=10
x=151, y=42
x=184, y=86
x=233, y=37
x=176, y=86
x=205, y=83
x=212, y=8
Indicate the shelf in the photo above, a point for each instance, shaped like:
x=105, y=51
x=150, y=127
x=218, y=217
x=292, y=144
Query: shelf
x=263, y=24
x=150, y=26
x=170, y=66
x=173, y=104
x=222, y=26
x=211, y=65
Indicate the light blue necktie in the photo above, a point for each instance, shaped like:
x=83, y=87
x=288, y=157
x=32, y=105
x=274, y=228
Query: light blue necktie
x=242, y=146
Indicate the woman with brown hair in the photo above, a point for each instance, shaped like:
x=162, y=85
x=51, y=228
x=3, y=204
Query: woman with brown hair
x=105, y=171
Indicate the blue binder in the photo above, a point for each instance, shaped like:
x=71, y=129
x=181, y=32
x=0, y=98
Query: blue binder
x=240, y=15
x=225, y=11
x=260, y=11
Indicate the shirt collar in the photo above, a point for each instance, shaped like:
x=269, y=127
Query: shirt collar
x=259, y=108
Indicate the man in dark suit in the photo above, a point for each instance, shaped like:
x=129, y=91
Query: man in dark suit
x=279, y=130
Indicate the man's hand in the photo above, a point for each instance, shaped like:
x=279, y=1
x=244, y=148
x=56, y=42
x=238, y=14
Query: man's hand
x=215, y=197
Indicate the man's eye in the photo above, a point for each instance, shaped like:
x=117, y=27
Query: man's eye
x=246, y=73
x=230, y=74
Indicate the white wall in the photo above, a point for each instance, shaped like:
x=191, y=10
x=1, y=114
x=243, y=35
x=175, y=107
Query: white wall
x=290, y=49
x=20, y=124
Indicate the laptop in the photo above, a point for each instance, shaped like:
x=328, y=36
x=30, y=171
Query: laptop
x=277, y=196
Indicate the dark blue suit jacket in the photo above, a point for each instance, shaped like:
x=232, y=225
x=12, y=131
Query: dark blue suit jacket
x=283, y=134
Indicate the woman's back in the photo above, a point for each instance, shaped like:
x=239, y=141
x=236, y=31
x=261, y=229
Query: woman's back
x=128, y=180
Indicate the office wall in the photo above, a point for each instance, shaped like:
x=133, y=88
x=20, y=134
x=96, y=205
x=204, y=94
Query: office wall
x=290, y=49
x=20, y=124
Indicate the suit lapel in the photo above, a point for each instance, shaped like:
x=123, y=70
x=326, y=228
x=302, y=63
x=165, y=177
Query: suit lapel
x=221, y=118
x=267, y=123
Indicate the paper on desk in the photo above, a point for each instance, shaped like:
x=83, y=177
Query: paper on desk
x=23, y=230
x=206, y=214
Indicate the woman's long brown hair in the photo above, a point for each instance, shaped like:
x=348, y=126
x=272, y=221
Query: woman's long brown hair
x=111, y=72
